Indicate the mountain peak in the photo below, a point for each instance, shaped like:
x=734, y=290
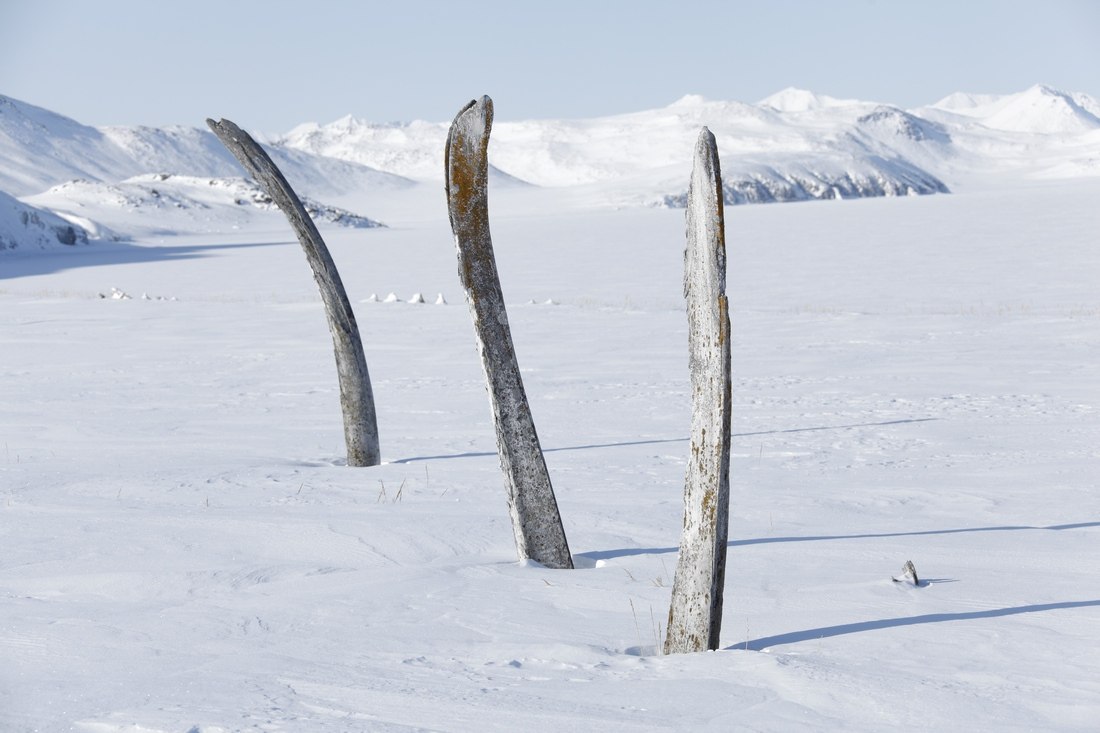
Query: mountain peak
x=1043, y=90
x=964, y=102
x=690, y=100
x=347, y=122
x=39, y=121
x=1038, y=109
x=1041, y=109
x=793, y=99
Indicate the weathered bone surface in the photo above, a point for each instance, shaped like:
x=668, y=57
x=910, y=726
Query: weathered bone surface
x=908, y=573
x=531, y=502
x=356, y=396
x=695, y=615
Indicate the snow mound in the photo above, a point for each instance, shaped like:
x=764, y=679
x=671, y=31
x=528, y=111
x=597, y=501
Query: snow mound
x=24, y=227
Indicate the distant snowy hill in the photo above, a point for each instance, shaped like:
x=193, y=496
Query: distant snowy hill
x=40, y=149
x=1039, y=110
x=123, y=181
x=412, y=149
x=407, y=149
x=791, y=146
x=798, y=100
x=24, y=227
x=161, y=204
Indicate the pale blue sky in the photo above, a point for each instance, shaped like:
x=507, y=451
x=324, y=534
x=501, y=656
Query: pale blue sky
x=273, y=64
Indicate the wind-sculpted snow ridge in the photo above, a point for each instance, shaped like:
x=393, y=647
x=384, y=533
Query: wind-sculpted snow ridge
x=164, y=202
x=24, y=227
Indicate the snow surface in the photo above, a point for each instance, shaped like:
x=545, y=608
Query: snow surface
x=915, y=378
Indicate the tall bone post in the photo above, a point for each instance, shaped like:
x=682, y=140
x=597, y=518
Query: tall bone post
x=531, y=502
x=695, y=614
x=356, y=395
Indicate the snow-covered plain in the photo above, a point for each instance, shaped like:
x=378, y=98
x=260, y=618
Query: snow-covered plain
x=915, y=378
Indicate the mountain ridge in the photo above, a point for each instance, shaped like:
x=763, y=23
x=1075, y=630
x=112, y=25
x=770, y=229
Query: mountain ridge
x=794, y=145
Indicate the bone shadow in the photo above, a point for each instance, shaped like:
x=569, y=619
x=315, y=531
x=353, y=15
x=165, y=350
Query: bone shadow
x=929, y=618
x=486, y=454
x=628, y=552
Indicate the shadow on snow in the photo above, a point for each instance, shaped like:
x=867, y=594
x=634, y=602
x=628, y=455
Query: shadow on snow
x=26, y=264
x=487, y=454
x=888, y=623
x=609, y=554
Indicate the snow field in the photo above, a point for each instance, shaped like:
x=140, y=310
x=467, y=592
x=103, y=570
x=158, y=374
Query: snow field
x=914, y=379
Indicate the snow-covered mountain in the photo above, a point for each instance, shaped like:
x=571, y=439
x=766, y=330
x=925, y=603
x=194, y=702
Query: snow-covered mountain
x=791, y=146
x=802, y=142
x=1040, y=110
x=40, y=149
x=161, y=203
x=121, y=181
x=25, y=227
